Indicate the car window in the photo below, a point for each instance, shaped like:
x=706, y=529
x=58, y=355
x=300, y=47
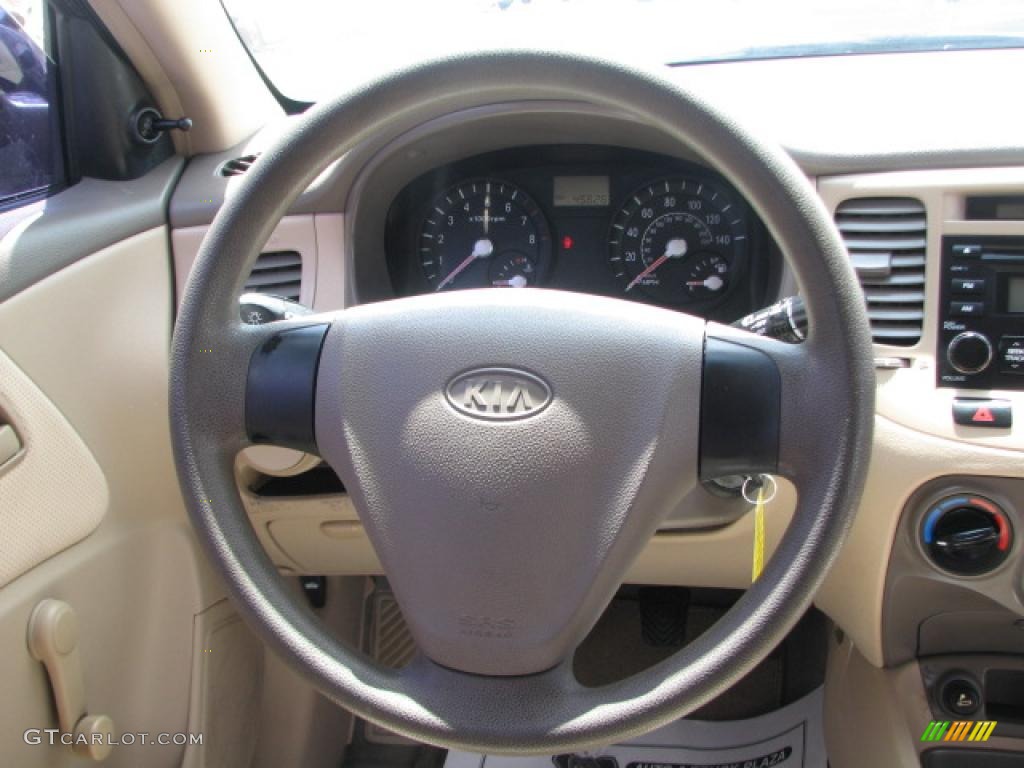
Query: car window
x=311, y=48
x=30, y=149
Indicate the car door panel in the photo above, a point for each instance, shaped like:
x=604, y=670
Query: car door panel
x=40, y=239
x=83, y=363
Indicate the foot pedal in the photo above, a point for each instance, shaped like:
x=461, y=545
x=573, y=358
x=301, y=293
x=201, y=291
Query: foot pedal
x=391, y=642
x=391, y=645
x=663, y=615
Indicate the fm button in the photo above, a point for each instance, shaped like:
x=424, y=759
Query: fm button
x=969, y=285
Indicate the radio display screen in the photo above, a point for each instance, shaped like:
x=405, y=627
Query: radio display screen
x=1015, y=294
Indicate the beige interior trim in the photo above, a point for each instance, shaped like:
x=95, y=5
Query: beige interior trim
x=872, y=716
x=293, y=233
x=331, y=285
x=135, y=589
x=902, y=461
x=297, y=725
x=226, y=690
x=318, y=238
x=323, y=535
x=107, y=376
x=52, y=493
x=193, y=62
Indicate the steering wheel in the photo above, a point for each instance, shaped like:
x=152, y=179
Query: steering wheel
x=511, y=452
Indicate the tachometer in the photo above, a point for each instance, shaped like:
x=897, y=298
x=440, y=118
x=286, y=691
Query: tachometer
x=483, y=232
x=678, y=241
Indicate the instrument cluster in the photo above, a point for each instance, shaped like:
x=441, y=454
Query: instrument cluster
x=591, y=219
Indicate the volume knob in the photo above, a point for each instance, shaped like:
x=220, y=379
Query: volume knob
x=969, y=352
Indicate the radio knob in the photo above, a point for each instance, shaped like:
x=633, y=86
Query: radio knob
x=969, y=352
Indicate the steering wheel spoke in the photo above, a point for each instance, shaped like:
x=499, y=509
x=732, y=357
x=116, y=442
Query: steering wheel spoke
x=281, y=380
x=248, y=380
x=761, y=409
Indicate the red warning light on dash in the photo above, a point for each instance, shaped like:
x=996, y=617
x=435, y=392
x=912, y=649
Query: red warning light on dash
x=567, y=243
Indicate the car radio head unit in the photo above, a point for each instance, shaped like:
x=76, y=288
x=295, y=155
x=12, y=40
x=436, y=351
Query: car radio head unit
x=981, y=337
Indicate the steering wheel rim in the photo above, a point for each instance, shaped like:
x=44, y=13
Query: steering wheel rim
x=825, y=416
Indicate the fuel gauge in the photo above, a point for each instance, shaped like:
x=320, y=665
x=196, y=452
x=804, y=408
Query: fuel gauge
x=707, y=276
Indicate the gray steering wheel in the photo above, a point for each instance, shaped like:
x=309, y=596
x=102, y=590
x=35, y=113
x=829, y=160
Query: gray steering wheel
x=506, y=522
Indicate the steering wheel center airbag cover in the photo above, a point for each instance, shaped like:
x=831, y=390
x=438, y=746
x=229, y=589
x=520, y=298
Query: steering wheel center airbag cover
x=504, y=538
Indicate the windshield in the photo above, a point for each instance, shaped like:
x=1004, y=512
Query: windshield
x=311, y=48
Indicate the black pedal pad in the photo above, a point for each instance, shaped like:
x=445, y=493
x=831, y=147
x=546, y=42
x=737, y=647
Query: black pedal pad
x=663, y=615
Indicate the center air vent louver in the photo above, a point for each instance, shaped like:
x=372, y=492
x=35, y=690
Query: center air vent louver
x=885, y=237
x=278, y=273
x=238, y=166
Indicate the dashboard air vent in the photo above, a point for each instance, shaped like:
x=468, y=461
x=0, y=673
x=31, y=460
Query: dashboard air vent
x=278, y=273
x=238, y=166
x=885, y=237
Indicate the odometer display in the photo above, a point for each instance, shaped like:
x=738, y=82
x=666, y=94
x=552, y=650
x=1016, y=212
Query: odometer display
x=678, y=241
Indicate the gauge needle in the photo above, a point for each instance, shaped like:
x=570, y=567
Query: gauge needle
x=713, y=283
x=516, y=281
x=482, y=248
x=674, y=249
x=487, y=210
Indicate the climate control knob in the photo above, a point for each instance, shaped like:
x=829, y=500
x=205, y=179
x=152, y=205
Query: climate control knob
x=968, y=535
x=969, y=352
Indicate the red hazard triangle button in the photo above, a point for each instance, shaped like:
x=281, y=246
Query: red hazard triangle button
x=983, y=414
x=976, y=412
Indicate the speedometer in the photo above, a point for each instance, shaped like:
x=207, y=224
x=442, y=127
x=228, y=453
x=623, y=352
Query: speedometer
x=678, y=241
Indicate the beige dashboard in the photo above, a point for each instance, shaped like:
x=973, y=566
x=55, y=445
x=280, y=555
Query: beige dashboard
x=915, y=439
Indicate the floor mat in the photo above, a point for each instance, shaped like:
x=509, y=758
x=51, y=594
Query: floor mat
x=790, y=737
x=619, y=646
x=616, y=649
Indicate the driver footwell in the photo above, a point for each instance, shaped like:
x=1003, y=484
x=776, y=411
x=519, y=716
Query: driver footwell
x=791, y=737
x=771, y=717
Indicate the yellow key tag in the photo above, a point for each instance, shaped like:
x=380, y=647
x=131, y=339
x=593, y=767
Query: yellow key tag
x=759, y=505
x=758, y=536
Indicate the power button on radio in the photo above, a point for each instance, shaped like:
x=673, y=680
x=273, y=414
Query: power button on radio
x=969, y=352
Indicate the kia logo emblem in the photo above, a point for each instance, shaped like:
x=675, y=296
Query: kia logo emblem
x=498, y=394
